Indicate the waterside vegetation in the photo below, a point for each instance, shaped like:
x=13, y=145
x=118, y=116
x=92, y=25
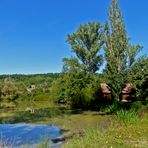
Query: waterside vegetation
x=73, y=99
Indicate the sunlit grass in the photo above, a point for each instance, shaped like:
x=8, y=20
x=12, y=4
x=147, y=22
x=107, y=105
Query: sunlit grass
x=125, y=116
x=117, y=135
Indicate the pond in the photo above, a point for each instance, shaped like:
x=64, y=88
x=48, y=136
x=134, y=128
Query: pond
x=28, y=135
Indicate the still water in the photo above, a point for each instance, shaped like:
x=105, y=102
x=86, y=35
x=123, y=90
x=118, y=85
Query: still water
x=18, y=135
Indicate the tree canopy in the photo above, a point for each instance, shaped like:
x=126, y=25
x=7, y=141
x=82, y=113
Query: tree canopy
x=119, y=53
x=86, y=43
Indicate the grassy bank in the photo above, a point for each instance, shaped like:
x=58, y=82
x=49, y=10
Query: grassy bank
x=118, y=134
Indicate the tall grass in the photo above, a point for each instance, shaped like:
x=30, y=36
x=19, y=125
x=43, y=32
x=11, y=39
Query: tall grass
x=44, y=144
x=116, y=136
x=126, y=116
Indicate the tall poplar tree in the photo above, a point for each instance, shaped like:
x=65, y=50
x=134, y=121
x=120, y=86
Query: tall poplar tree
x=119, y=54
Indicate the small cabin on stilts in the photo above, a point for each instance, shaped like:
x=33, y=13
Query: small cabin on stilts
x=106, y=93
x=128, y=93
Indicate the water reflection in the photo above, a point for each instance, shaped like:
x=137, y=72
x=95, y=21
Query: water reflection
x=16, y=135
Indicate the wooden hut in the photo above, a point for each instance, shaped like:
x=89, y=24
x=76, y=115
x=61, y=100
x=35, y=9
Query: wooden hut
x=106, y=92
x=127, y=94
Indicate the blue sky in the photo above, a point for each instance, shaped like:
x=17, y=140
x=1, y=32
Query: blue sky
x=33, y=32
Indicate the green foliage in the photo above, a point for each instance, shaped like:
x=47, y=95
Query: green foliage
x=117, y=135
x=76, y=89
x=9, y=89
x=86, y=43
x=128, y=112
x=119, y=54
x=138, y=75
x=57, y=90
x=127, y=116
x=77, y=86
x=72, y=65
x=20, y=86
x=127, y=106
x=137, y=106
x=42, y=97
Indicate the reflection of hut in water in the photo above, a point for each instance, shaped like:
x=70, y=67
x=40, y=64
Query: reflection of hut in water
x=30, y=110
x=128, y=93
x=106, y=92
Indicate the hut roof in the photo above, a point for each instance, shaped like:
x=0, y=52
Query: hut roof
x=126, y=87
x=105, y=88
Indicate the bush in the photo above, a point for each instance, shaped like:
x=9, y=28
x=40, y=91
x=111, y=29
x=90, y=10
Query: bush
x=136, y=106
x=76, y=89
x=9, y=90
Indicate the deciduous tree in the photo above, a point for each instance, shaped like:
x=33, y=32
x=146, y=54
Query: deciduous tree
x=86, y=43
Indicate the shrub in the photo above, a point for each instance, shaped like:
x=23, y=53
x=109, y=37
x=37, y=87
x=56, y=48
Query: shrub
x=79, y=90
x=9, y=89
